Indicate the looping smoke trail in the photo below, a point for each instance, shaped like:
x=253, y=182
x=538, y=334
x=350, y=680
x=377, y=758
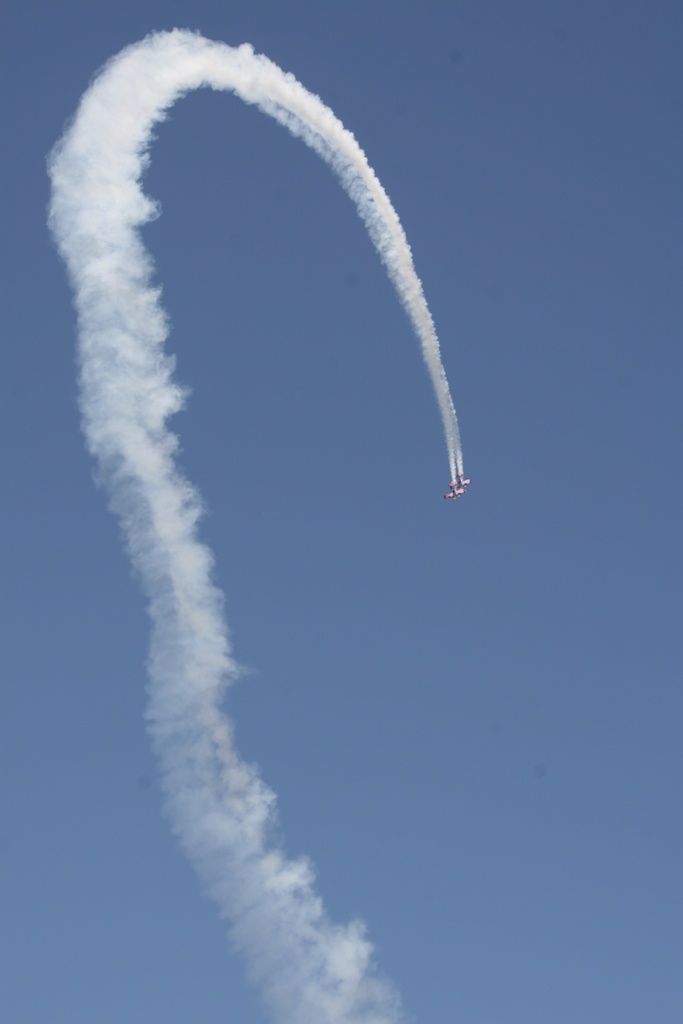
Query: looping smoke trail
x=311, y=971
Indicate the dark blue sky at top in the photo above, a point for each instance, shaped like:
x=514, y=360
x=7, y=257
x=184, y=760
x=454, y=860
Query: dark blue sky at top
x=471, y=715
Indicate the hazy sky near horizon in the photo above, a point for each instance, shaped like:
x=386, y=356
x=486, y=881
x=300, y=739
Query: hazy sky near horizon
x=471, y=715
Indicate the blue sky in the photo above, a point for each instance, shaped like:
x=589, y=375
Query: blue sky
x=471, y=715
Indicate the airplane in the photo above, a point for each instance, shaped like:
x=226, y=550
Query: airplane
x=454, y=491
x=457, y=487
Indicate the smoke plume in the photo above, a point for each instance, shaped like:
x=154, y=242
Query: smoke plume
x=310, y=970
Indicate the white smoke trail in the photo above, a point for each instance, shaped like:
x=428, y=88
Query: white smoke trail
x=311, y=971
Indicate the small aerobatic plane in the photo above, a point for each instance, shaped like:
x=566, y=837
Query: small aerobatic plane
x=457, y=487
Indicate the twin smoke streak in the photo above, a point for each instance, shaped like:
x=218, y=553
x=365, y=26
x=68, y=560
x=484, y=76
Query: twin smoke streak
x=310, y=970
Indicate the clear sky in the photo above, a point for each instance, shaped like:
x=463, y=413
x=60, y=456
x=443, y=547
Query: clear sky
x=471, y=714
